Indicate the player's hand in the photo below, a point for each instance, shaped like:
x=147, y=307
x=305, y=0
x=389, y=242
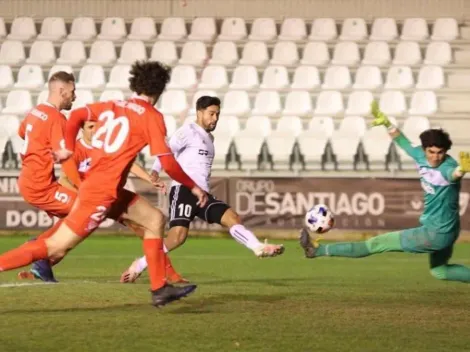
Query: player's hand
x=379, y=117
x=464, y=161
x=157, y=182
x=201, y=196
x=61, y=155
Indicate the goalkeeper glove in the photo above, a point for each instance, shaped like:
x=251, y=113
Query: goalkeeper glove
x=464, y=161
x=379, y=117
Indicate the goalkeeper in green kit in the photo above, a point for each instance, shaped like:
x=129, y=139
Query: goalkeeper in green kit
x=440, y=177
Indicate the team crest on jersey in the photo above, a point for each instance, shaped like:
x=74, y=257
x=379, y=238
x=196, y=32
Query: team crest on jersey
x=84, y=165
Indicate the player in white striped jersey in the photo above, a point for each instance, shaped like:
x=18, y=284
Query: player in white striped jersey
x=193, y=147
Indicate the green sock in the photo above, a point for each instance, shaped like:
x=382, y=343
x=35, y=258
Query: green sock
x=452, y=272
x=388, y=242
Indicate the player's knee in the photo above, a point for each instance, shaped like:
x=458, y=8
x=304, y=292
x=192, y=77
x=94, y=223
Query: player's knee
x=180, y=236
x=156, y=223
x=230, y=218
x=439, y=272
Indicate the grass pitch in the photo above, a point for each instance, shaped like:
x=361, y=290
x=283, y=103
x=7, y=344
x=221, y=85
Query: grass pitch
x=387, y=302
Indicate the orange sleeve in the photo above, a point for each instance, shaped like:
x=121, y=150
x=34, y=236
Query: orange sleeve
x=155, y=134
x=57, y=130
x=70, y=168
x=22, y=129
x=76, y=120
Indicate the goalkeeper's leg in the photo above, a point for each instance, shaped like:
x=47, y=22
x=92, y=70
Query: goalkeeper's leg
x=441, y=270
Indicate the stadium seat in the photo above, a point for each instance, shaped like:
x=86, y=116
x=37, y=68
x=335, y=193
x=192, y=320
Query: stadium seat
x=72, y=52
x=353, y=29
x=91, y=77
x=423, y=103
x=392, y=103
x=193, y=53
x=119, y=77
x=6, y=77
x=224, y=53
x=165, y=52
x=22, y=29
x=285, y=53
x=113, y=28
x=170, y=124
x=52, y=28
x=245, y=78
x=430, y=77
x=293, y=29
x=377, y=53
x=236, y=103
x=222, y=143
x=83, y=28
x=384, y=29
x=227, y=126
x=368, y=77
x=112, y=94
x=132, y=51
x=10, y=124
x=323, y=29
x=407, y=53
x=280, y=144
x=413, y=126
x=214, y=77
x=183, y=77
x=399, y=77
x=275, y=77
x=353, y=124
x=173, y=102
x=315, y=53
x=83, y=97
x=3, y=29
x=359, y=103
x=306, y=78
x=203, y=29
x=263, y=29
x=345, y=144
x=438, y=53
x=41, y=53
x=329, y=103
x=445, y=29
x=337, y=77
x=414, y=29
x=12, y=52
x=143, y=28
x=376, y=143
x=267, y=103
x=30, y=77
x=173, y=29
x=291, y=124
x=102, y=52
x=312, y=145
x=196, y=96
x=346, y=53
x=233, y=28
x=255, y=53
x=18, y=102
x=42, y=97
x=248, y=145
x=322, y=124
x=298, y=103
x=260, y=125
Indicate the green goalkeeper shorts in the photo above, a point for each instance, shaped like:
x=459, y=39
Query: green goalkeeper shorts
x=425, y=240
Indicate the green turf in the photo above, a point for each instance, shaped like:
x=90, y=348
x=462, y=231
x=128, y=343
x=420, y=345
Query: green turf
x=384, y=303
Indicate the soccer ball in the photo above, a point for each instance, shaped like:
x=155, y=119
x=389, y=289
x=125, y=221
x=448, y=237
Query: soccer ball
x=319, y=219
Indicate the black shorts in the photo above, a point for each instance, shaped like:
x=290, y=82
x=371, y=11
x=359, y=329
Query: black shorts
x=183, y=208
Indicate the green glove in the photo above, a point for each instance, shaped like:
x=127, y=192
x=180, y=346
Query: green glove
x=379, y=117
x=464, y=160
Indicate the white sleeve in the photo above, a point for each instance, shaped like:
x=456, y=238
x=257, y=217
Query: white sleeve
x=176, y=143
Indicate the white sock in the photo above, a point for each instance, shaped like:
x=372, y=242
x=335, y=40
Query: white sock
x=244, y=236
x=142, y=262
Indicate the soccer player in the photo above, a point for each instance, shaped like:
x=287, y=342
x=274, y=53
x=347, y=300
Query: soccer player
x=440, y=178
x=193, y=145
x=123, y=129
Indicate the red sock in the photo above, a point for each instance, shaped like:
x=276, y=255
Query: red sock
x=153, y=250
x=23, y=255
x=50, y=232
x=170, y=271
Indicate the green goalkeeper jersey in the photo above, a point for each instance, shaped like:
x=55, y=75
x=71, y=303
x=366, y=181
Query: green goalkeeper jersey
x=441, y=193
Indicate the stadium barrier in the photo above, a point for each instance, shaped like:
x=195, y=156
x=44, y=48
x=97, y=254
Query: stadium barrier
x=272, y=205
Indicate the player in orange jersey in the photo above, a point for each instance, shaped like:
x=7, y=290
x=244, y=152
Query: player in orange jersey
x=124, y=128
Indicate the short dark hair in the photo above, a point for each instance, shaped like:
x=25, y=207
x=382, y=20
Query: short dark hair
x=435, y=137
x=62, y=76
x=149, y=78
x=205, y=101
